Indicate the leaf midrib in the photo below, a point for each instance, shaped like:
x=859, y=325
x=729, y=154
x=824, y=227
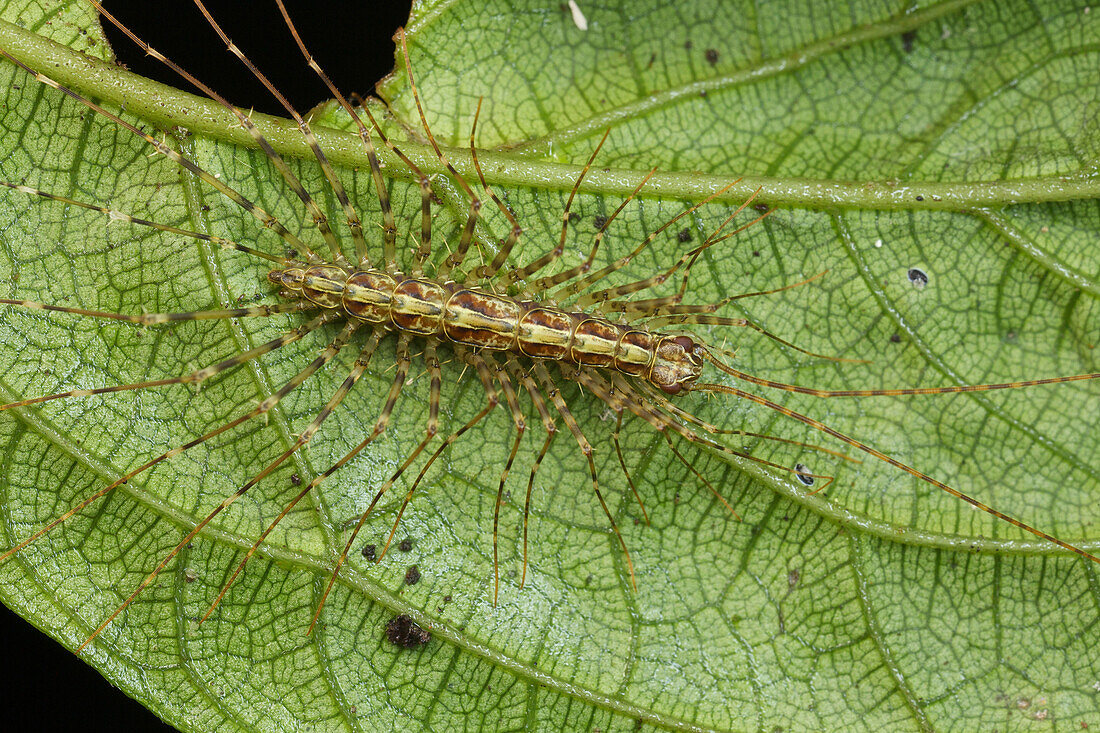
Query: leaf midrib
x=168, y=108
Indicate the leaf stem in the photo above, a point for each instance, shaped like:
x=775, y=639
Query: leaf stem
x=168, y=108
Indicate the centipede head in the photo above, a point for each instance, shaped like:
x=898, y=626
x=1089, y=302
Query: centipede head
x=677, y=365
x=288, y=278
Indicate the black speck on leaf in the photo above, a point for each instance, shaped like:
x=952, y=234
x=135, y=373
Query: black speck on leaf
x=402, y=631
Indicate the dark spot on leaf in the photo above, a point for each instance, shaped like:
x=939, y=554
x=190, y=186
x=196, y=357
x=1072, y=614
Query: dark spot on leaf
x=895, y=338
x=684, y=235
x=918, y=277
x=688, y=45
x=711, y=56
x=295, y=479
x=792, y=579
x=370, y=552
x=599, y=222
x=920, y=198
x=760, y=207
x=402, y=631
x=756, y=253
x=907, y=39
x=405, y=545
x=412, y=575
x=574, y=217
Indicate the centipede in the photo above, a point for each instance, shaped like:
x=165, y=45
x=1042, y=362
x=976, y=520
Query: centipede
x=395, y=330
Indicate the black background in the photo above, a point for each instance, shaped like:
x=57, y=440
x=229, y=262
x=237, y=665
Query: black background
x=44, y=686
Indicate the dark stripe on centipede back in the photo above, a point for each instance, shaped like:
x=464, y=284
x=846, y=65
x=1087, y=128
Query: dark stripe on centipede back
x=481, y=319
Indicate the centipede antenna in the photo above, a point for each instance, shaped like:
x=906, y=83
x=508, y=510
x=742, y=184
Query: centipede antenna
x=818, y=425
x=903, y=392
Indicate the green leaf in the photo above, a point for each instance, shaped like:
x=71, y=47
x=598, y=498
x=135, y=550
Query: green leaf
x=959, y=139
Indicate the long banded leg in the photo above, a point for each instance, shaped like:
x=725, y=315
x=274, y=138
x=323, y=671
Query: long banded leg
x=686, y=261
x=491, y=402
x=330, y=351
x=554, y=394
x=660, y=321
x=283, y=340
x=607, y=392
x=551, y=429
x=577, y=286
x=466, y=237
x=545, y=283
x=486, y=381
x=267, y=220
x=360, y=366
x=389, y=226
x=431, y=358
x=319, y=218
x=401, y=373
x=658, y=414
x=686, y=416
x=153, y=319
x=818, y=425
x=522, y=273
x=669, y=305
x=116, y=215
x=661, y=420
x=487, y=272
x=500, y=372
x=700, y=477
x=196, y=377
x=355, y=225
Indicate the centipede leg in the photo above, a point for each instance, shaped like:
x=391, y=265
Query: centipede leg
x=501, y=375
x=551, y=429
x=401, y=373
x=330, y=351
x=432, y=360
x=616, y=401
x=660, y=418
x=522, y=273
x=586, y=448
x=260, y=409
x=266, y=219
x=360, y=366
x=116, y=215
x=389, y=226
x=355, y=225
x=487, y=272
x=637, y=309
x=196, y=377
x=292, y=181
x=575, y=287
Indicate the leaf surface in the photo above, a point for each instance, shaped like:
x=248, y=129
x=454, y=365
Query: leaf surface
x=957, y=139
